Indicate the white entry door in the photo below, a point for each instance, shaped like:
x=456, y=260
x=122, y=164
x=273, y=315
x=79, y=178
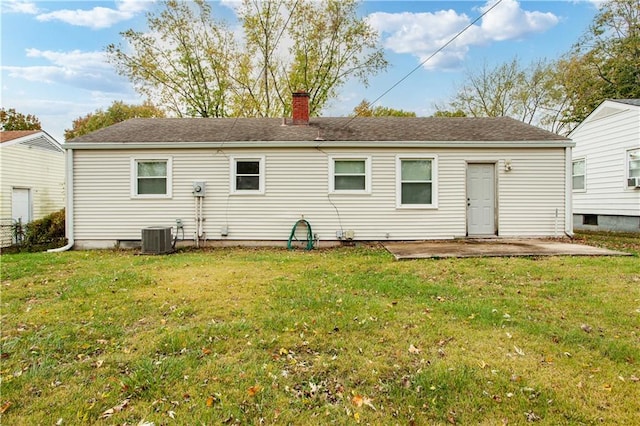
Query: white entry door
x=21, y=205
x=481, y=200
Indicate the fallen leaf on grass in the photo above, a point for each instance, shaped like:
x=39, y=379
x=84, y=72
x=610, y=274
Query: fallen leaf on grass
x=5, y=407
x=116, y=409
x=206, y=351
x=253, y=390
x=211, y=400
x=359, y=401
x=531, y=416
x=586, y=328
x=413, y=350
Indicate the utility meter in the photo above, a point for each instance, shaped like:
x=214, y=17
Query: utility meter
x=198, y=189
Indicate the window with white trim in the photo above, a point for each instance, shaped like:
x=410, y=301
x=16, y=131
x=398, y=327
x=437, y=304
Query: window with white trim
x=151, y=177
x=416, y=181
x=350, y=175
x=633, y=165
x=247, y=175
x=579, y=174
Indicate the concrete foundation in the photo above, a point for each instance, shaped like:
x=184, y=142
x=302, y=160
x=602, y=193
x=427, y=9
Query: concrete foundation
x=595, y=222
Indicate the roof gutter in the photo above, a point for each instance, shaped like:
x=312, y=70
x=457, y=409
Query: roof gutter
x=69, y=207
x=323, y=144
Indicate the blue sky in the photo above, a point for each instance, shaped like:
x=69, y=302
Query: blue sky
x=53, y=61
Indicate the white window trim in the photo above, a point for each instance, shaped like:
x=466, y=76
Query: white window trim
x=585, y=174
x=367, y=171
x=635, y=151
x=232, y=174
x=434, y=181
x=134, y=176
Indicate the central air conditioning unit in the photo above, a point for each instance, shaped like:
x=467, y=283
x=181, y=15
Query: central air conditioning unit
x=634, y=182
x=156, y=240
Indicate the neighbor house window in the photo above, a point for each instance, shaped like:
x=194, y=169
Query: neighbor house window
x=416, y=182
x=151, y=177
x=247, y=175
x=633, y=166
x=350, y=175
x=578, y=174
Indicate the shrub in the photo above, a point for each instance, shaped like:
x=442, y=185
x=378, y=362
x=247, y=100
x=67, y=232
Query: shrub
x=50, y=230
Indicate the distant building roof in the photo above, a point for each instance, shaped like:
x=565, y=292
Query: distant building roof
x=9, y=135
x=635, y=102
x=31, y=138
x=172, y=130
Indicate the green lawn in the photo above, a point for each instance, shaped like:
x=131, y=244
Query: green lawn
x=342, y=336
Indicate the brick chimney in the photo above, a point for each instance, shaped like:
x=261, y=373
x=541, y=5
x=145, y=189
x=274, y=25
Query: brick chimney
x=300, y=108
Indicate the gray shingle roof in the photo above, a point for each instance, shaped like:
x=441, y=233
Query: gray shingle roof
x=328, y=129
x=635, y=102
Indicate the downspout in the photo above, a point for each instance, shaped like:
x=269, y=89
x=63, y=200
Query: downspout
x=568, y=198
x=69, y=207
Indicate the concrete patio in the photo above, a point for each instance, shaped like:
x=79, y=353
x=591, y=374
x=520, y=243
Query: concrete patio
x=494, y=247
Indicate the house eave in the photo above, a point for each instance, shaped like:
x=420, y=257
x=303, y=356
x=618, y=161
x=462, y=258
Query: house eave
x=316, y=144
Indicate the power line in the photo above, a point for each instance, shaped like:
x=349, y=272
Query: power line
x=440, y=49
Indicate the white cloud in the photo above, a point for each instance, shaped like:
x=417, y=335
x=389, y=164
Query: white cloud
x=422, y=34
x=19, y=6
x=508, y=21
x=98, y=17
x=84, y=70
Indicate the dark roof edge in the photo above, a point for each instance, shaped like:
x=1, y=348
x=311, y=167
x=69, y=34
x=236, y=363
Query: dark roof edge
x=567, y=143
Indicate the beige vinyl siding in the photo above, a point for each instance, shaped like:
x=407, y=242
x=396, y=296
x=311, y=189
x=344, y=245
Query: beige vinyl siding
x=297, y=185
x=41, y=171
x=604, y=143
x=532, y=194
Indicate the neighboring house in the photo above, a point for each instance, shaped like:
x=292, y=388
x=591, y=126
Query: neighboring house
x=606, y=168
x=31, y=178
x=248, y=180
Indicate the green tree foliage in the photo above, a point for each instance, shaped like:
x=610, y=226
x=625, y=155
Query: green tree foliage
x=192, y=65
x=530, y=94
x=457, y=113
x=330, y=45
x=364, y=109
x=10, y=119
x=183, y=63
x=117, y=112
x=605, y=62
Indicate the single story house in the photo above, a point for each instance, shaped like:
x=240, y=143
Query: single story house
x=606, y=168
x=249, y=180
x=32, y=174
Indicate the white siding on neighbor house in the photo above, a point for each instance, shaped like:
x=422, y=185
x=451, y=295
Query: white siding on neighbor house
x=42, y=171
x=604, y=143
x=297, y=185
